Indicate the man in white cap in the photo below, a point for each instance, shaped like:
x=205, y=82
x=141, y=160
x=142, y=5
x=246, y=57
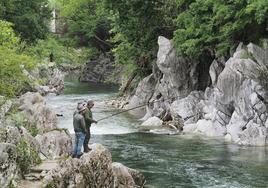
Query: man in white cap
x=79, y=129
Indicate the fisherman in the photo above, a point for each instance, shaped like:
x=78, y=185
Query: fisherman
x=89, y=120
x=79, y=129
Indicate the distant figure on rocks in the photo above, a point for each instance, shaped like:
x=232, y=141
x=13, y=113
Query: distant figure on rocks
x=79, y=129
x=51, y=57
x=89, y=120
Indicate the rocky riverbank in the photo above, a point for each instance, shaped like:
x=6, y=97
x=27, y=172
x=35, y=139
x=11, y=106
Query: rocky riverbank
x=29, y=135
x=226, y=99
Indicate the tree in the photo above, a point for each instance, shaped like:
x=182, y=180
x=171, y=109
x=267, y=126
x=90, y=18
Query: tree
x=88, y=22
x=216, y=26
x=136, y=26
x=30, y=17
x=12, y=78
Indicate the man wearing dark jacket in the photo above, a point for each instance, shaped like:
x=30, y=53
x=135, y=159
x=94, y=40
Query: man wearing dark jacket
x=89, y=120
x=79, y=129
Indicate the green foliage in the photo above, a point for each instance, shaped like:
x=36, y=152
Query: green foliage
x=87, y=22
x=216, y=26
x=26, y=156
x=30, y=18
x=12, y=79
x=136, y=26
x=7, y=35
x=61, y=53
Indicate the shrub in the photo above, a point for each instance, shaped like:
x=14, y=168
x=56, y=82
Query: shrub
x=26, y=156
x=7, y=35
x=12, y=78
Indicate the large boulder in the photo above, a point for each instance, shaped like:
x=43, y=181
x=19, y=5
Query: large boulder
x=209, y=128
x=35, y=110
x=143, y=94
x=127, y=177
x=122, y=177
x=92, y=170
x=55, y=143
x=8, y=165
x=179, y=73
x=174, y=78
x=188, y=108
x=152, y=122
x=237, y=105
x=52, y=78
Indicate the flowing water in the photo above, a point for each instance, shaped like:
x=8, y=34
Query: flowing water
x=166, y=161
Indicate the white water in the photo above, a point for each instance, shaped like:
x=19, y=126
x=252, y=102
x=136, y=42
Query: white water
x=66, y=105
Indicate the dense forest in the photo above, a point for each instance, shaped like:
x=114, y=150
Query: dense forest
x=126, y=30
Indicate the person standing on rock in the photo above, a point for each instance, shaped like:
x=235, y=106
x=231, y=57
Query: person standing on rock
x=79, y=129
x=89, y=120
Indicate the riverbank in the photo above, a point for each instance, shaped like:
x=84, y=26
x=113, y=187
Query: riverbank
x=30, y=135
x=226, y=98
x=165, y=160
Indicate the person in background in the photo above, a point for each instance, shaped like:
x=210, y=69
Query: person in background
x=89, y=120
x=79, y=129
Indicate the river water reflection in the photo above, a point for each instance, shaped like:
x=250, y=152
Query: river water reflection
x=166, y=161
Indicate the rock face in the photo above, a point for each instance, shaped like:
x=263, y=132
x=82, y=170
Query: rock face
x=33, y=106
x=45, y=78
x=233, y=106
x=173, y=78
x=53, y=79
x=20, y=120
x=8, y=165
x=92, y=170
x=100, y=70
x=55, y=143
x=5, y=106
x=179, y=73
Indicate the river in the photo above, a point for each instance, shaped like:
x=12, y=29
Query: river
x=165, y=160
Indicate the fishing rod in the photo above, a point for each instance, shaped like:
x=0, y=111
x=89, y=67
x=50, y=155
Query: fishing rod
x=132, y=109
x=121, y=112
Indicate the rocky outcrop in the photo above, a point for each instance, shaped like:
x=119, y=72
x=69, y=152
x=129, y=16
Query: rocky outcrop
x=93, y=169
x=8, y=165
x=55, y=143
x=236, y=106
x=70, y=69
x=179, y=74
x=35, y=110
x=45, y=78
x=126, y=177
x=5, y=106
x=173, y=78
x=101, y=70
x=144, y=93
x=233, y=106
x=52, y=78
x=21, y=119
x=152, y=122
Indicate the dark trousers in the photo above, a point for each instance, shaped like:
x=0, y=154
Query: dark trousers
x=86, y=141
